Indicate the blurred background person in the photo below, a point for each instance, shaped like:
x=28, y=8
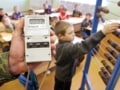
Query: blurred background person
x=53, y=21
x=17, y=14
x=76, y=11
x=47, y=8
x=30, y=12
x=86, y=25
x=61, y=7
x=6, y=21
x=63, y=14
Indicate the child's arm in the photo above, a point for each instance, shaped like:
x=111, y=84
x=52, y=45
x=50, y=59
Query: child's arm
x=84, y=47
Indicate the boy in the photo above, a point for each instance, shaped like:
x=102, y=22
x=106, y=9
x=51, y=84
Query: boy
x=53, y=21
x=30, y=12
x=16, y=13
x=86, y=25
x=47, y=7
x=67, y=52
x=76, y=12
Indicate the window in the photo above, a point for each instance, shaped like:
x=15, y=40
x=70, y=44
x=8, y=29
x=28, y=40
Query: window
x=91, y=2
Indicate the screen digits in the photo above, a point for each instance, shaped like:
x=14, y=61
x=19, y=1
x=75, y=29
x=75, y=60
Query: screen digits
x=37, y=21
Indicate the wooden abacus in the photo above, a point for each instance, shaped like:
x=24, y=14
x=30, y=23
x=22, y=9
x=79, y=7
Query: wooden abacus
x=108, y=67
x=108, y=54
x=104, y=75
x=110, y=58
x=112, y=52
x=114, y=44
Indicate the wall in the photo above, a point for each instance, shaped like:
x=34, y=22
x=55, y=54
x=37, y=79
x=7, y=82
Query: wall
x=55, y=3
x=37, y=4
x=9, y=4
x=114, y=10
x=84, y=8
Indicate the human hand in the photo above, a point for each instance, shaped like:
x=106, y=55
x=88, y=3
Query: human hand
x=17, y=64
x=52, y=39
x=110, y=28
x=88, y=28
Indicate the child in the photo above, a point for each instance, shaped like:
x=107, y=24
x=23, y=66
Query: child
x=67, y=52
x=86, y=25
x=47, y=8
x=76, y=12
x=61, y=7
x=5, y=20
x=30, y=12
x=63, y=14
x=16, y=14
x=9, y=26
x=53, y=21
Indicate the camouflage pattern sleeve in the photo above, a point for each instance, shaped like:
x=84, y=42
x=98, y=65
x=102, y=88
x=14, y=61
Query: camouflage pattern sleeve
x=5, y=75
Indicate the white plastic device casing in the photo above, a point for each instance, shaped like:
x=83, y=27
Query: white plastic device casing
x=37, y=38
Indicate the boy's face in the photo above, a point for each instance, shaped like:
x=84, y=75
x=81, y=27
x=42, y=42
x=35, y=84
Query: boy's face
x=88, y=17
x=16, y=9
x=1, y=12
x=76, y=7
x=69, y=34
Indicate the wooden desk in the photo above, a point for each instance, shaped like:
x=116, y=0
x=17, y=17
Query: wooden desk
x=41, y=11
x=54, y=14
x=10, y=13
x=76, y=22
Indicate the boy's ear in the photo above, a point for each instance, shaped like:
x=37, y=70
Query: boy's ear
x=60, y=36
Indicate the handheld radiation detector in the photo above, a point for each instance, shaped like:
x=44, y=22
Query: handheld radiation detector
x=37, y=38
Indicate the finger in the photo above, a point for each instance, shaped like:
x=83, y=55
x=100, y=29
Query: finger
x=53, y=52
x=20, y=25
x=51, y=33
x=52, y=39
x=115, y=25
x=53, y=47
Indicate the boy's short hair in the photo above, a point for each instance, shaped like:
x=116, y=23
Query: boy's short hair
x=88, y=14
x=30, y=11
x=1, y=9
x=53, y=18
x=61, y=27
x=76, y=5
x=64, y=9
